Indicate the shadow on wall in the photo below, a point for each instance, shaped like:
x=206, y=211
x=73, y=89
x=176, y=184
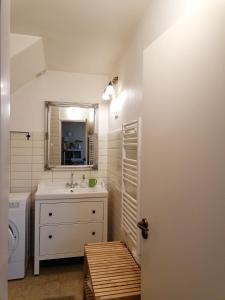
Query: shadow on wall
x=115, y=183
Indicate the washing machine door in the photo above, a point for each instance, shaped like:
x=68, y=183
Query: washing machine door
x=13, y=238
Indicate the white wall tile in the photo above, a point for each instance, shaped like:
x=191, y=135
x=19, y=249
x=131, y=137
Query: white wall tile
x=21, y=151
x=20, y=175
x=42, y=175
x=34, y=183
x=38, y=151
x=102, y=159
x=21, y=144
x=20, y=189
x=103, y=144
x=102, y=152
x=103, y=137
x=37, y=167
x=19, y=136
x=102, y=166
x=114, y=144
x=79, y=174
x=20, y=183
x=61, y=174
x=20, y=167
x=38, y=136
x=114, y=183
x=38, y=144
x=99, y=174
x=37, y=159
x=21, y=159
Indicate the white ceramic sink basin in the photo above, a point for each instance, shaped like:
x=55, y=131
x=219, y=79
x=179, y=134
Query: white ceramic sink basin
x=53, y=191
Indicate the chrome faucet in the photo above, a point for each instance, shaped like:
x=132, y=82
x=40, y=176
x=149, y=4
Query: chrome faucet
x=72, y=184
x=71, y=180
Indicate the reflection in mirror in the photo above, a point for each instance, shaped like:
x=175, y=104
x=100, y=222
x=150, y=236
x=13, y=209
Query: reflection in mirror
x=71, y=135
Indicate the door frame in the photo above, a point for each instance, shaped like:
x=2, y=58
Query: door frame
x=4, y=140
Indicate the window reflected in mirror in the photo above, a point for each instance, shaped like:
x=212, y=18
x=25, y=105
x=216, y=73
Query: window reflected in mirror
x=72, y=135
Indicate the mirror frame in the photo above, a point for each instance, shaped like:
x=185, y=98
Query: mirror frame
x=47, y=165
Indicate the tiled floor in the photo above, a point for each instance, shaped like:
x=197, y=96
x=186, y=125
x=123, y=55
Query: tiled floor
x=58, y=280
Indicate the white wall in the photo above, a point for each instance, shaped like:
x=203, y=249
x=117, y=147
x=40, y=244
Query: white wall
x=159, y=16
x=19, y=42
x=27, y=103
x=27, y=59
x=4, y=117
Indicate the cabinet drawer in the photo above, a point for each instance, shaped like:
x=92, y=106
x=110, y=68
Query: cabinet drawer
x=62, y=239
x=67, y=212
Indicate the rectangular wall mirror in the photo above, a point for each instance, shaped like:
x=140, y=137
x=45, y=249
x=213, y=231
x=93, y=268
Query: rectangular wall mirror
x=71, y=135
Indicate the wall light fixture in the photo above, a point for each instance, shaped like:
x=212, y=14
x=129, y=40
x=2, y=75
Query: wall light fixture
x=109, y=90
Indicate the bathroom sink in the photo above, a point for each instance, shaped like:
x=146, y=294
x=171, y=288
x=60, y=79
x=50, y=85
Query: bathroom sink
x=59, y=190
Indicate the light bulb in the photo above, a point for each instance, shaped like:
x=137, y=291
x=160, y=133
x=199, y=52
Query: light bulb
x=105, y=96
x=109, y=90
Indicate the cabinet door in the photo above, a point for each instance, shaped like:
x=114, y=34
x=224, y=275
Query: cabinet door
x=71, y=212
x=60, y=239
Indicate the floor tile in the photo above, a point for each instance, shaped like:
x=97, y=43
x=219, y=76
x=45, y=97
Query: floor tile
x=58, y=280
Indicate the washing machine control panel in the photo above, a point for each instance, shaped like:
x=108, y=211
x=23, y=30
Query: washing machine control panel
x=14, y=204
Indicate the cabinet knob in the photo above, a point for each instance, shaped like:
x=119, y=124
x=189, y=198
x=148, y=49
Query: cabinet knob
x=93, y=211
x=50, y=236
x=50, y=214
x=93, y=233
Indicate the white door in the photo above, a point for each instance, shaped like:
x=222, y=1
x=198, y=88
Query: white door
x=183, y=160
x=4, y=118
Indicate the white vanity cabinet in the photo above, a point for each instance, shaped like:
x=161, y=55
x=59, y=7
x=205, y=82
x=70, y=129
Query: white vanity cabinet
x=64, y=225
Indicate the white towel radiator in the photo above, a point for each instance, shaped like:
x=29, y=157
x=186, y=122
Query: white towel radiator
x=131, y=206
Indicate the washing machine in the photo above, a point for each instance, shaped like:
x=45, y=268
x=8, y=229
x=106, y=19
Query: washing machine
x=18, y=234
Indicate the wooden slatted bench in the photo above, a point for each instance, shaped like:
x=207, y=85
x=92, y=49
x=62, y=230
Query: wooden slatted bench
x=111, y=273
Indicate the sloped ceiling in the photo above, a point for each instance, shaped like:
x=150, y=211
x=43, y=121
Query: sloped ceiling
x=27, y=59
x=84, y=36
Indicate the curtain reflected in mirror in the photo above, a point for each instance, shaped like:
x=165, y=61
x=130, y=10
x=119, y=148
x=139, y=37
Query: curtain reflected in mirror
x=72, y=135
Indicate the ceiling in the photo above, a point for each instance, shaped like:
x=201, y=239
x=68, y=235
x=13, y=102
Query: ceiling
x=86, y=36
